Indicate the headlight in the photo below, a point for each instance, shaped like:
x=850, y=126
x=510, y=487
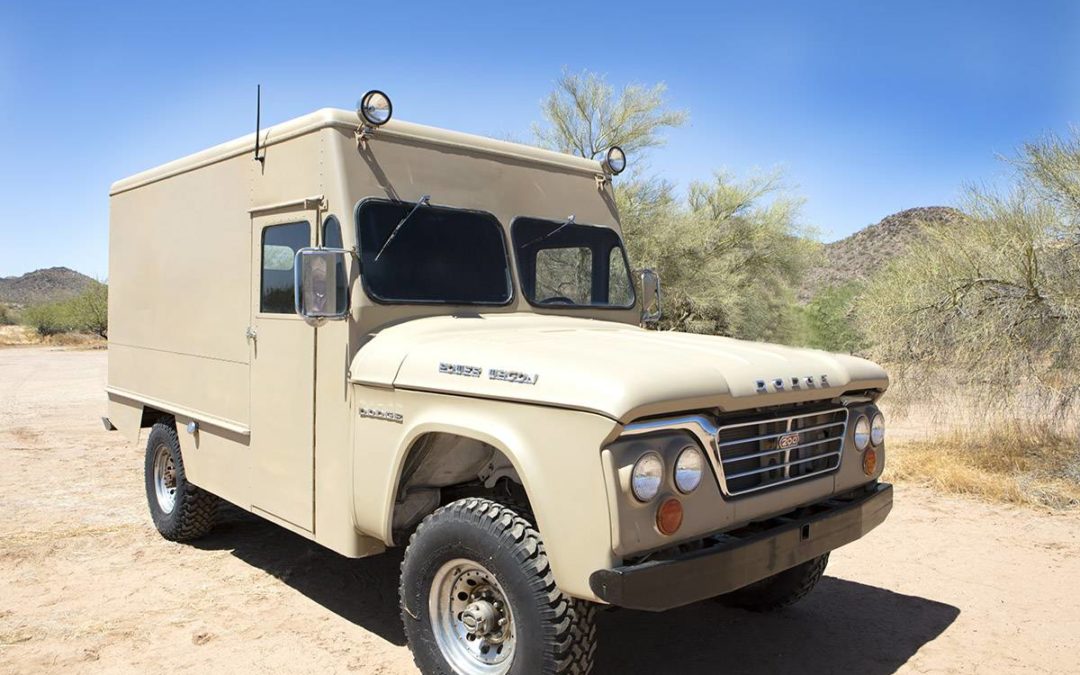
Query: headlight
x=877, y=429
x=862, y=433
x=688, y=469
x=647, y=476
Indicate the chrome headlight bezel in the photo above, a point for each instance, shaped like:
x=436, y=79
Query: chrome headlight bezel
x=877, y=430
x=860, y=433
x=647, y=476
x=689, y=470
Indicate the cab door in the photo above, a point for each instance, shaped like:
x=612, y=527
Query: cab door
x=282, y=374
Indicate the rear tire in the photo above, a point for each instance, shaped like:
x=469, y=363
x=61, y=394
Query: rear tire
x=180, y=510
x=492, y=581
x=780, y=590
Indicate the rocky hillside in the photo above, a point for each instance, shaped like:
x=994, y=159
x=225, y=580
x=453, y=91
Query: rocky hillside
x=47, y=285
x=855, y=257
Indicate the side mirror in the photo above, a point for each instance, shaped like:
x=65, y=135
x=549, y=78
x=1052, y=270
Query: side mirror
x=322, y=284
x=650, y=297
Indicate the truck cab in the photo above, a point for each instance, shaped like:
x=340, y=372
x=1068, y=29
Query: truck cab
x=379, y=334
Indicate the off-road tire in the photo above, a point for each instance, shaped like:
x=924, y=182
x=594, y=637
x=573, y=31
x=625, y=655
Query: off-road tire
x=195, y=510
x=555, y=633
x=780, y=590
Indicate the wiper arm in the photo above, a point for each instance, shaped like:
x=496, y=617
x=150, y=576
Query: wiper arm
x=423, y=202
x=569, y=221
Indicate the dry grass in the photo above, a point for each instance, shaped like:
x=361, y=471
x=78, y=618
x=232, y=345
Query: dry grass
x=11, y=336
x=21, y=336
x=76, y=340
x=1013, y=463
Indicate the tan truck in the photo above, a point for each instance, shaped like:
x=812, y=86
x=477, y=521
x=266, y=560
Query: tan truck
x=381, y=334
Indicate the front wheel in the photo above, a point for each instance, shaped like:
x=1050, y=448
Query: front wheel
x=478, y=597
x=780, y=590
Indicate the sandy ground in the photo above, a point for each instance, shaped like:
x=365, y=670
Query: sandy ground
x=86, y=585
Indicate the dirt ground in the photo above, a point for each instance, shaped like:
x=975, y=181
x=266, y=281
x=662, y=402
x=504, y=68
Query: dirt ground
x=945, y=585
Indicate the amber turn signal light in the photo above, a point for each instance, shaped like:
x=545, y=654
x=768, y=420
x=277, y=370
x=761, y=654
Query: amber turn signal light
x=669, y=516
x=869, y=462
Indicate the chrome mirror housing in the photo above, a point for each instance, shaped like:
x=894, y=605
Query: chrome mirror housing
x=321, y=284
x=650, y=297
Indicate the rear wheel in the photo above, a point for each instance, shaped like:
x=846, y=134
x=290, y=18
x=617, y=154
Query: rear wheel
x=478, y=597
x=780, y=590
x=180, y=511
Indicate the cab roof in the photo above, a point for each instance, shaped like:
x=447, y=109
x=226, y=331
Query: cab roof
x=347, y=120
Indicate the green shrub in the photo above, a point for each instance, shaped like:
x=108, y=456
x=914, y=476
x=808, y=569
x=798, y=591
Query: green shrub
x=87, y=312
x=830, y=320
x=8, y=316
x=48, y=319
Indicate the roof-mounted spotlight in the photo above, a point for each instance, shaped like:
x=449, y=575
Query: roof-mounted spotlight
x=615, y=160
x=375, y=108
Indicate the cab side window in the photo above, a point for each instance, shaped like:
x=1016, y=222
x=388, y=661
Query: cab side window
x=279, y=246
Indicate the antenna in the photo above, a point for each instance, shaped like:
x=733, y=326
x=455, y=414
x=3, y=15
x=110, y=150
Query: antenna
x=261, y=159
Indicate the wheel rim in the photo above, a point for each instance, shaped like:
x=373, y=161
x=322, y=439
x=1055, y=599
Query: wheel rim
x=164, y=479
x=471, y=619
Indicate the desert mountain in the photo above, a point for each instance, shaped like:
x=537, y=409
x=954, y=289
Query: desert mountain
x=855, y=257
x=47, y=285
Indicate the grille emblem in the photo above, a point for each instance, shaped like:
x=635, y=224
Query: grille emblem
x=788, y=441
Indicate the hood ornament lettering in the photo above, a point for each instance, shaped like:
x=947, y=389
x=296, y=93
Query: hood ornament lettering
x=512, y=376
x=498, y=374
x=779, y=384
x=458, y=369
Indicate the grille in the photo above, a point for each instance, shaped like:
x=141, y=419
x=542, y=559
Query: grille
x=763, y=453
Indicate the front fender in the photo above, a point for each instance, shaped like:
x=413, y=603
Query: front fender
x=556, y=453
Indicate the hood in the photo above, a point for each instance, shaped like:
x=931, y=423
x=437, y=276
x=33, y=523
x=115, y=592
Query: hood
x=617, y=370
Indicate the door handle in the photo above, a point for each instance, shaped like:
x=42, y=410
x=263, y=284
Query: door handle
x=252, y=334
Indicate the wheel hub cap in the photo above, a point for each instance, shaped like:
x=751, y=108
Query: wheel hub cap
x=470, y=619
x=479, y=618
x=164, y=479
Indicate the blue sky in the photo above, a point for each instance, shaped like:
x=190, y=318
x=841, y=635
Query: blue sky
x=870, y=109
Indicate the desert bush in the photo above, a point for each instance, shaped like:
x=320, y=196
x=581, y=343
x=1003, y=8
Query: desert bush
x=48, y=319
x=584, y=116
x=87, y=312
x=830, y=320
x=7, y=316
x=995, y=300
x=730, y=255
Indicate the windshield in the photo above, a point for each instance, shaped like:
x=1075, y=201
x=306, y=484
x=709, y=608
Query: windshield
x=563, y=263
x=438, y=256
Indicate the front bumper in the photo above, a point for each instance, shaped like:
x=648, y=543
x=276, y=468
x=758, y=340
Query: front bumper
x=737, y=559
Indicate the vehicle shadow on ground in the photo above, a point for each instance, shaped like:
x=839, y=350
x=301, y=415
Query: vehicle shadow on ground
x=363, y=592
x=844, y=626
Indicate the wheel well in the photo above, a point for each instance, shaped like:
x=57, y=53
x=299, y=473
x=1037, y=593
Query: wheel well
x=151, y=416
x=441, y=468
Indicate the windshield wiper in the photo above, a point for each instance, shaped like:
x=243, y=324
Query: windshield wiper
x=393, y=233
x=569, y=221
